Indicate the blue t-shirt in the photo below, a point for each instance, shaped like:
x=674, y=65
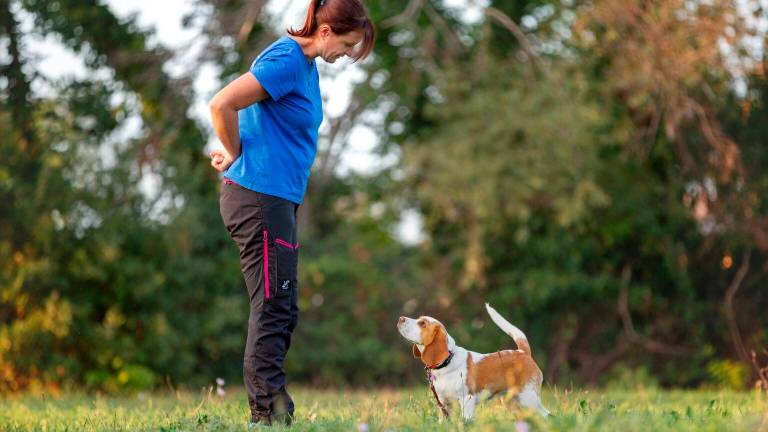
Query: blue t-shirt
x=278, y=135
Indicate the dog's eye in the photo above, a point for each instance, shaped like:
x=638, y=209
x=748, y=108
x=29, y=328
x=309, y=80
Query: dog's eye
x=422, y=323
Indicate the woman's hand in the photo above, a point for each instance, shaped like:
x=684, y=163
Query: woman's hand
x=220, y=160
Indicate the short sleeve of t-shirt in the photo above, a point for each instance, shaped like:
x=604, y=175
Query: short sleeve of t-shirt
x=276, y=70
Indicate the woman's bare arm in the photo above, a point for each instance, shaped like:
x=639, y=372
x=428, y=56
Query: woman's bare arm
x=240, y=93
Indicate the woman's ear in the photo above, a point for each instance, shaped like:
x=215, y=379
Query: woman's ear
x=416, y=351
x=324, y=30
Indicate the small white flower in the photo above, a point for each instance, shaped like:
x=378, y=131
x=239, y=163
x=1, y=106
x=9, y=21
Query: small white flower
x=219, y=392
x=219, y=381
x=362, y=427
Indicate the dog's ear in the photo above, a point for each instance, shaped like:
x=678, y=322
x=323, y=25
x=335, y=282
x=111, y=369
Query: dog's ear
x=429, y=335
x=437, y=351
x=416, y=351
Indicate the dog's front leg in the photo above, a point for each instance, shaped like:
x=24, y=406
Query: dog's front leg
x=468, y=405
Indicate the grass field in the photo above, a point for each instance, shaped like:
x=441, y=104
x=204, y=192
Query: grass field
x=396, y=410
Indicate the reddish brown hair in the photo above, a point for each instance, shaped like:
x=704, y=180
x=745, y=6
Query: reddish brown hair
x=343, y=16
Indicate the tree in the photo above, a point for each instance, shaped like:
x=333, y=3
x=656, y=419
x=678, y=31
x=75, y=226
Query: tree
x=100, y=277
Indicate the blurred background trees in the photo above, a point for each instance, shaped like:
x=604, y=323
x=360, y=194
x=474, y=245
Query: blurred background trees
x=595, y=170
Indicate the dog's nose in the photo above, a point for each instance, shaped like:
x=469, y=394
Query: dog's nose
x=401, y=320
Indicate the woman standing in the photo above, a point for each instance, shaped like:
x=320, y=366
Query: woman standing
x=267, y=120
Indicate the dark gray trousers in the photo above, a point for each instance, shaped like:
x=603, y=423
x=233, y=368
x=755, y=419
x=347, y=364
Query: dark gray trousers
x=264, y=229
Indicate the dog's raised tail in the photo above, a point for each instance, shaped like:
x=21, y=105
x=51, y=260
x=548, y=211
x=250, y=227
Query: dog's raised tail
x=515, y=333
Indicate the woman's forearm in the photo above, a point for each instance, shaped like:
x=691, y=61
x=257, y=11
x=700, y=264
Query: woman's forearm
x=225, y=125
x=239, y=94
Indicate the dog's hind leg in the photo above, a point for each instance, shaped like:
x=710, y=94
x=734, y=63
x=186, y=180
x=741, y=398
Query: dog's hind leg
x=529, y=398
x=543, y=411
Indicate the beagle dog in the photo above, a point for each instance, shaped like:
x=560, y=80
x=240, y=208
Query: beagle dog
x=467, y=377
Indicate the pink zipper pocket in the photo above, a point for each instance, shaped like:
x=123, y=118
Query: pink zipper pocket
x=282, y=242
x=266, y=265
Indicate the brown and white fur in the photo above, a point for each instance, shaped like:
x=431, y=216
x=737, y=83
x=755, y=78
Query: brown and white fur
x=471, y=377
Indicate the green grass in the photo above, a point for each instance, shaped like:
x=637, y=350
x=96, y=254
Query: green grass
x=397, y=410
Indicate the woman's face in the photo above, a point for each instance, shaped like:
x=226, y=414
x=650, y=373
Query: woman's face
x=335, y=45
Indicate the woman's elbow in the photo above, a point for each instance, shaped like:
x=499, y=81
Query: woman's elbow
x=218, y=104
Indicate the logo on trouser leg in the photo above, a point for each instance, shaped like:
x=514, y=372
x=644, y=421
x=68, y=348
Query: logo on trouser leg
x=286, y=284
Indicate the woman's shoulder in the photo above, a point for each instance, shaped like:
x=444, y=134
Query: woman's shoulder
x=279, y=67
x=282, y=47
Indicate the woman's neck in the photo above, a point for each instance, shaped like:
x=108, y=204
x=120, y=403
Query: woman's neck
x=308, y=47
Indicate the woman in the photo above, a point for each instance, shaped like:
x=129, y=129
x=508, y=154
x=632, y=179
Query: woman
x=267, y=120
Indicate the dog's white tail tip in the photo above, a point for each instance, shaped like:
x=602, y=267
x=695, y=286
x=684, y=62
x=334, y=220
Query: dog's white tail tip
x=515, y=333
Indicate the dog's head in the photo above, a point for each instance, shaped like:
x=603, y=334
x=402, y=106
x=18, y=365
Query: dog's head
x=431, y=342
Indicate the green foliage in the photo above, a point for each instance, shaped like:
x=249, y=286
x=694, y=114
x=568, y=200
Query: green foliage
x=728, y=373
x=99, y=280
x=502, y=159
x=550, y=195
x=623, y=378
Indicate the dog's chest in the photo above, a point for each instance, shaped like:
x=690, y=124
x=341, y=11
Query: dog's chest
x=451, y=385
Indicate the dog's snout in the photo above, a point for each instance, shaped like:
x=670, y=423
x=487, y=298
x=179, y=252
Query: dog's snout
x=401, y=320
